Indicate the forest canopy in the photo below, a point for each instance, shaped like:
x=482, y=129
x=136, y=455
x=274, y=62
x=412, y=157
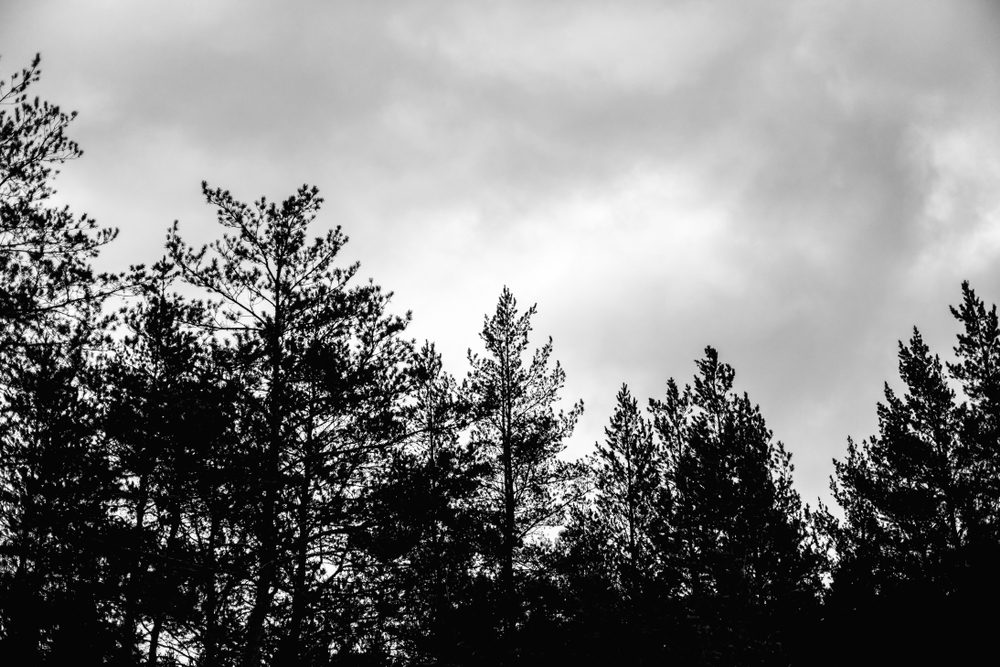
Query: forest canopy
x=235, y=455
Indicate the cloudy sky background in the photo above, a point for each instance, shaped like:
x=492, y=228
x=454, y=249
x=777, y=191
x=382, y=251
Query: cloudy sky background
x=795, y=182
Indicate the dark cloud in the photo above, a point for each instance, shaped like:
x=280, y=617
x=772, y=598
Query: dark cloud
x=796, y=183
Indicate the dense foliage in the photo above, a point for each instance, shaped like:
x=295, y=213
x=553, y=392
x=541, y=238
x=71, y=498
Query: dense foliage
x=235, y=456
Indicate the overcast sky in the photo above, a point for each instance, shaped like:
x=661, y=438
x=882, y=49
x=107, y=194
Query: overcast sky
x=795, y=182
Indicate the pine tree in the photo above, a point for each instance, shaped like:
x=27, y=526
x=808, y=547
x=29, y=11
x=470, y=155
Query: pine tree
x=58, y=493
x=977, y=370
x=606, y=560
x=521, y=434
x=427, y=525
x=326, y=365
x=918, y=542
x=901, y=490
x=55, y=489
x=45, y=252
x=736, y=534
x=627, y=481
x=169, y=427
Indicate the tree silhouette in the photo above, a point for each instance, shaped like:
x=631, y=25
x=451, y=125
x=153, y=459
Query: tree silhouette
x=901, y=490
x=45, y=252
x=521, y=434
x=57, y=491
x=428, y=526
x=737, y=535
x=169, y=424
x=918, y=541
x=613, y=590
x=977, y=370
x=55, y=477
x=325, y=362
x=627, y=480
x=244, y=462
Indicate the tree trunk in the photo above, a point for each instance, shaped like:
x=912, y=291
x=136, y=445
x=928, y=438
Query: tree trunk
x=210, y=608
x=130, y=620
x=299, y=586
x=508, y=599
x=267, y=557
x=154, y=635
x=266, y=574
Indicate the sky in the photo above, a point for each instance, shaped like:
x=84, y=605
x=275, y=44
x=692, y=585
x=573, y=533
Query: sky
x=794, y=182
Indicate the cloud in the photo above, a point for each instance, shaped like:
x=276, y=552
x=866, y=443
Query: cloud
x=796, y=183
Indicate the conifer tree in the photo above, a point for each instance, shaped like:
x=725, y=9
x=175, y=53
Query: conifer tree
x=45, y=252
x=427, y=525
x=901, y=490
x=924, y=487
x=736, y=537
x=58, y=492
x=627, y=481
x=918, y=542
x=326, y=362
x=55, y=484
x=521, y=434
x=169, y=428
x=977, y=370
x=606, y=560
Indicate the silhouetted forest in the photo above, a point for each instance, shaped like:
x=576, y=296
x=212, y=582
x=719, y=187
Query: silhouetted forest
x=235, y=456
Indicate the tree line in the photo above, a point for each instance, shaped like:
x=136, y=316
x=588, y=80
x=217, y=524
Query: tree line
x=236, y=456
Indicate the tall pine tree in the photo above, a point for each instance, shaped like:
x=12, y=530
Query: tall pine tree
x=45, y=252
x=918, y=542
x=627, y=482
x=736, y=535
x=521, y=434
x=607, y=562
x=169, y=424
x=326, y=361
x=56, y=489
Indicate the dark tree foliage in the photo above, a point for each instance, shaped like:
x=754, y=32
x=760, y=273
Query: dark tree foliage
x=324, y=362
x=695, y=547
x=182, y=475
x=56, y=484
x=901, y=490
x=520, y=434
x=977, y=371
x=57, y=490
x=242, y=461
x=627, y=470
x=736, y=537
x=918, y=542
x=429, y=525
x=45, y=252
x=608, y=563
